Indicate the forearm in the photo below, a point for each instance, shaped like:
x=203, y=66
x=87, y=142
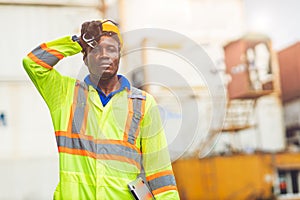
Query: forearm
x=156, y=159
x=39, y=66
x=159, y=173
x=43, y=58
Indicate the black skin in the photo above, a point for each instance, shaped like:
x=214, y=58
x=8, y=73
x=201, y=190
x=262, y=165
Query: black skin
x=103, y=64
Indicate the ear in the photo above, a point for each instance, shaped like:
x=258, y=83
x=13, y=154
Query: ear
x=85, y=59
x=120, y=52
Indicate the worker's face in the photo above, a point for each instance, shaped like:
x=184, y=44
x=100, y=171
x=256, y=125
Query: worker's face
x=103, y=61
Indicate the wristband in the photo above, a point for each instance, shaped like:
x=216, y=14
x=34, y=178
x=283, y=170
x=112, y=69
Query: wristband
x=75, y=38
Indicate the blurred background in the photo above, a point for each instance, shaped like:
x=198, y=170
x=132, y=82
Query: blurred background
x=254, y=45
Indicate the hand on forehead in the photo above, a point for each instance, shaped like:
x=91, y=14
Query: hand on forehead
x=92, y=28
x=91, y=32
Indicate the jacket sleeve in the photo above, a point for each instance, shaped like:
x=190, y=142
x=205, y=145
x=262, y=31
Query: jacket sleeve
x=39, y=66
x=156, y=159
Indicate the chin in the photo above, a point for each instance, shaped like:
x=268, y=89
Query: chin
x=106, y=76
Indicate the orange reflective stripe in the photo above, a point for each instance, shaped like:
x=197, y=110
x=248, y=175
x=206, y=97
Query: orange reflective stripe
x=38, y=61
x=159, y=174
x=119, y=158
x=136, y=99
x=143, y=105
x=86, y=110
x=73, y=135
x=73, y=108
x=75, y=141
x=80, y=152
x=102, y=151
x=119, y=142
x=44, y=56
x=128, y=120
x=69, y=130
x=52, y=51
x=162, y=181
x=142, y=116
x=80, y=108
x=164, y=189
x=97, y=141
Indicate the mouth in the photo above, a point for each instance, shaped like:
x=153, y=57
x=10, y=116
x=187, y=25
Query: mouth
x=104, y=65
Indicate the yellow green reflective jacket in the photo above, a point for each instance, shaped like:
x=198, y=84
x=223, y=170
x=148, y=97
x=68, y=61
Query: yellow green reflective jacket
x=101, y=149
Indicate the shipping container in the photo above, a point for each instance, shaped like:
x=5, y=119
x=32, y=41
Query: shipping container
x=289, y=62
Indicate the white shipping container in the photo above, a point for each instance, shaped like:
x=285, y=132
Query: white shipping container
x=292, y=113
x=266, y=133
x=27, y=27
x=28, y=131
x=28, y=151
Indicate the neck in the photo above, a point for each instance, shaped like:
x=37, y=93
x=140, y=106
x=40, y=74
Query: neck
x=107, y=85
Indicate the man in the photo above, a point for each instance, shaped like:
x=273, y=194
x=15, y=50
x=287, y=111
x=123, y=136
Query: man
x=108, y=133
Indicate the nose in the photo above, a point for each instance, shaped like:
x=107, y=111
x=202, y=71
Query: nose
x=100, y=53
x=103, y=52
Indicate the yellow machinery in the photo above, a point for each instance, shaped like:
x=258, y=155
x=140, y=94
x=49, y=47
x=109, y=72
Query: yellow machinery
x=235, y=177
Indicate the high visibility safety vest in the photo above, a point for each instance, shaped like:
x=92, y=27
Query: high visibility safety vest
x=101, y=149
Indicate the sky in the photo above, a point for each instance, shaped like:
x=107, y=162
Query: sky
x=279, y=19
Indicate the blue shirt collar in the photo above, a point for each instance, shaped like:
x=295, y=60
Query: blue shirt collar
x=124, y=83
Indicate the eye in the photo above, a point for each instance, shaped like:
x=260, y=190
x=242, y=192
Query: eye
x=111, y=49
x=95, y=50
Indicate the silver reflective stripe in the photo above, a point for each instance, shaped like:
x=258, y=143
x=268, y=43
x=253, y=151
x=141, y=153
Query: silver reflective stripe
x=162, y=182
x=45, y=56
x=100, y=149
x=76, y=143
x=80, y=107
x=137, y=100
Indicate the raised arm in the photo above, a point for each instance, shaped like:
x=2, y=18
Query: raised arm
x=39, y=65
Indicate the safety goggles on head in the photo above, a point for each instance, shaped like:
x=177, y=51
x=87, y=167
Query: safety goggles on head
x=92, y=40
x=108, y=20
x=89, y=40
